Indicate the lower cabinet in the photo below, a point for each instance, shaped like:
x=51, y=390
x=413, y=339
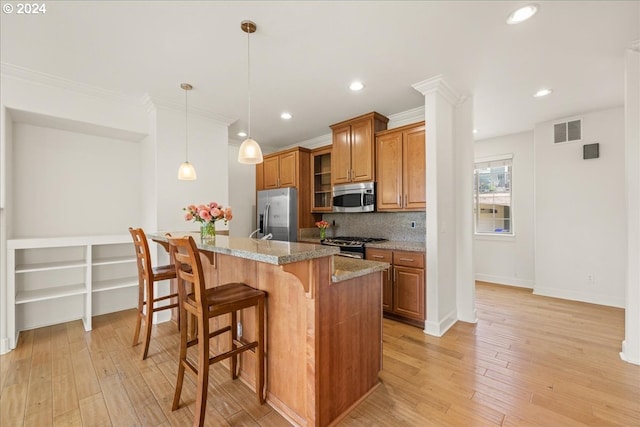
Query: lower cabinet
x=403, y=293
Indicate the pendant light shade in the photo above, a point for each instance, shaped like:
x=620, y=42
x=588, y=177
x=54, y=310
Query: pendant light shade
x=250, y=152
x=186, y=172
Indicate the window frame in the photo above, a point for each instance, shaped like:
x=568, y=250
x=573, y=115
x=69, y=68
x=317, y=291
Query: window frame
x=479, y=163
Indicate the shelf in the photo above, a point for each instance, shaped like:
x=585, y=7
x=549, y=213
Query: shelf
x=47, y=266
x=50, y=293
x=108, y=285
x=322, y=173
x=323, y=192
x=113, y=260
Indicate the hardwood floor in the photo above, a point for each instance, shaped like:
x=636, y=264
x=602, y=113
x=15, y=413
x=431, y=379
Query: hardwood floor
x=529, y=360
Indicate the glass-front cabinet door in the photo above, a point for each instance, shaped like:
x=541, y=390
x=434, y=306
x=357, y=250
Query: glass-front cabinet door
x=321, y=179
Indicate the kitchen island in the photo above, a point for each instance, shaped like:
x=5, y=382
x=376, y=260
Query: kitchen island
x=324, y=322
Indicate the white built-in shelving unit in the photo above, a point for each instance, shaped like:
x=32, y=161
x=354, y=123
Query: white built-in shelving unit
x=58, y=279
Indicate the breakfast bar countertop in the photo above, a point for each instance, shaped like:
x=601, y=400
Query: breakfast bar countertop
x=345, y=268
x=269, y=251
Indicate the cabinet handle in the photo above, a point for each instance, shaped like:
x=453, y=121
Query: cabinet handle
x=406, y=259
x=348, y=174
x=395, y=275
x=405, y=201
x=377, y=256
x=389, y=273
x=399, y=201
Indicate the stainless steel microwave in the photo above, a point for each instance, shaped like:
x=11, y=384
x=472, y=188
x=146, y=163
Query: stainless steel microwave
x=351, y=198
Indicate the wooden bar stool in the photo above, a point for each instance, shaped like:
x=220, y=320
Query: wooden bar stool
x=205, y=304
x=147, y=277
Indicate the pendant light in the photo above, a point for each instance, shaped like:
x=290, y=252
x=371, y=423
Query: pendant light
x=250, y=152
x=186, y=172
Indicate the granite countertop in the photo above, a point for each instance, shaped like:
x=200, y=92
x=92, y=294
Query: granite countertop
x=268, y=251
x=347, y=268
x=399, y=245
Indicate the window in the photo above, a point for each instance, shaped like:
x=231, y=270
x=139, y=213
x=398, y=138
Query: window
x=492, y=196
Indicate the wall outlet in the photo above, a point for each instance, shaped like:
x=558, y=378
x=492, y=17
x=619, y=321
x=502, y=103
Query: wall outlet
x=239, y=330
x=413, y=224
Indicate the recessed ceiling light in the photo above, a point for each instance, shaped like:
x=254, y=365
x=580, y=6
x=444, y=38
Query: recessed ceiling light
x=242, y=134
x=285, y=116
x=522, y=14
x=356, y=86
x=542, y=92
x=475, y=131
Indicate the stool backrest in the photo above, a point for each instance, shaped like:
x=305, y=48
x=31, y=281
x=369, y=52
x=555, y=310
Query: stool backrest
x=143, y=256
x=185, y=254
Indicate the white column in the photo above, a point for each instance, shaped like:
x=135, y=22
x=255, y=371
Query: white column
x=631, y=344
x=464, y=164
x=449, y=254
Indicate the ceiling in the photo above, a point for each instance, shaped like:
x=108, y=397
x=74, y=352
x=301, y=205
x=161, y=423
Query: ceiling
x=305, y=53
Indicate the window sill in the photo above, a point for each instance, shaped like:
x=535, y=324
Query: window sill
x=495, y=237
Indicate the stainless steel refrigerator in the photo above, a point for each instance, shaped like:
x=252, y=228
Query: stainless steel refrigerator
x=277, y=213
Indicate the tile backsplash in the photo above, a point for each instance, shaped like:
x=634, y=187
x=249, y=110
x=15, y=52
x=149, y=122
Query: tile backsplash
x=388, y=225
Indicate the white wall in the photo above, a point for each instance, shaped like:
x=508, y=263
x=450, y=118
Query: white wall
x=510, y=260
x=580, y=213
x=242, y=195
x=71, y=184
x=208, y=152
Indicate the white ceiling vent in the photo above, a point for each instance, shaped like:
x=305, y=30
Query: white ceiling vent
x=567, y=131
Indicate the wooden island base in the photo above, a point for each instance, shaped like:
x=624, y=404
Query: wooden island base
x=324, y=338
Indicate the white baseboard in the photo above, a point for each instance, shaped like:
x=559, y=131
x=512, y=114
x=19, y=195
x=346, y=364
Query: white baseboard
x=580, y=296
x=438, y=329
x=4, y=346
x=473, y=317
x=505, y=280
x=624, y=355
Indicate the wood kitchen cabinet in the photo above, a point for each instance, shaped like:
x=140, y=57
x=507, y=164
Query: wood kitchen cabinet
x=281, y=170
x=403, y=286
x=321, y=179
x=401, y=169
x=353, y=154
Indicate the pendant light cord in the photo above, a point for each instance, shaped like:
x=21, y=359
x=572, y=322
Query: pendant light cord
x=249, y=81
x=186, y=126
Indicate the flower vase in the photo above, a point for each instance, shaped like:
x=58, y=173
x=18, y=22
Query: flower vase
x=208, y=231
x=323, y=233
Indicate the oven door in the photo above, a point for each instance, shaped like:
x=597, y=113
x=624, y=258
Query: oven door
x=350, y=254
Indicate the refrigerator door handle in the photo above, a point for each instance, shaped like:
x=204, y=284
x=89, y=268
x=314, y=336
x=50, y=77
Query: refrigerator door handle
x=266, y=219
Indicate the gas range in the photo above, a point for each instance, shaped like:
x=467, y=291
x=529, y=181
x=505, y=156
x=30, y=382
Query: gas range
x=353, y=247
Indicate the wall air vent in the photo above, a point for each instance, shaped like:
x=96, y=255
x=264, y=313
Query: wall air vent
x=568, y=131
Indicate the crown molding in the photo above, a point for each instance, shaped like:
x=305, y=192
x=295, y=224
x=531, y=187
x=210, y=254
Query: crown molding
x=439, y=85
x=407, y=117
x=635, y=45
x=148, y=102
x=37, y=77
x=315, y=142
x=154, y=102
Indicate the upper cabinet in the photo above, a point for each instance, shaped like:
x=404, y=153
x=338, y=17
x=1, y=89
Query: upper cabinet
x=353, y=154
x=281, y=169
x=400, y=169
x=321, y=179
